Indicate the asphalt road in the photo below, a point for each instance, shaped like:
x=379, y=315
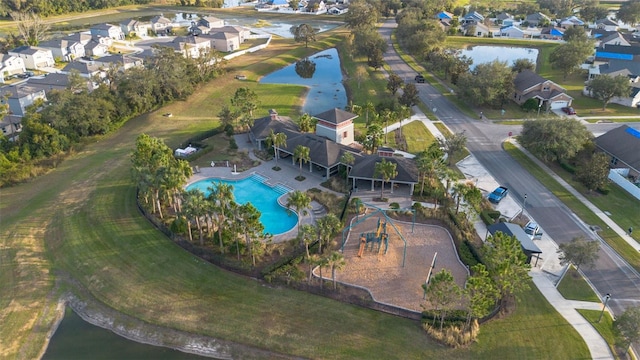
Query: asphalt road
x=611, y=274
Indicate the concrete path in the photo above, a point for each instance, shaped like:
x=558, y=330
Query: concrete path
x=604, y=217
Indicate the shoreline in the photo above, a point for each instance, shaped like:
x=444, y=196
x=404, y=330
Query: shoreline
x=137, y=330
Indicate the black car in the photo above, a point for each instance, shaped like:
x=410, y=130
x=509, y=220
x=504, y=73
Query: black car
x=419, y=79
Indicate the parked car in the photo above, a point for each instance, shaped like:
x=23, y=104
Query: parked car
x=498, y=194
x=533, y=230
x=569, y=110
x=419, y=79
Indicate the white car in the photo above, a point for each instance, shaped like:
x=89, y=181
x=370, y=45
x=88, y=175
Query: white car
x=533, y=230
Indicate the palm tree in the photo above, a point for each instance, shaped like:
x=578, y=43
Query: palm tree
x=430, y=164
x=326, y=226
x=335, y=261
x=402, y=113
x=305, y=123
x=250, y=226
x=195, y=207
x=321, y=261
x=369, y=108
x=347, y=159
x=307, y=236
x=458, y=191
x=374, y=134
x=222, y=195
x=387, y=171
x=386, y=116
x=276, y=140
x=301, y=153
x=299, y=201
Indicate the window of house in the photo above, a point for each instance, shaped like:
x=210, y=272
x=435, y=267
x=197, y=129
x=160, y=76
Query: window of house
x=546, y=88
x=344, y=134
x=614, y=161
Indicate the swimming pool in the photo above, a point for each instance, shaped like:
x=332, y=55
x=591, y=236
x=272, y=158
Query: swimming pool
x=273, y=216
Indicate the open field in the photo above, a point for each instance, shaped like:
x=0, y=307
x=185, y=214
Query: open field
x=81, y=220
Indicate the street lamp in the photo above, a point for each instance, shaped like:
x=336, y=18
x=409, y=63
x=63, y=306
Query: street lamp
x=606, y=300
x=539, y=107
x=524, y=205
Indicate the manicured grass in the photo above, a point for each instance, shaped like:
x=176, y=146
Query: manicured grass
x=615, y=241
x=624, y=209
x=604, y=327
x=418, y=137
x=82, y=221
x=574, y=287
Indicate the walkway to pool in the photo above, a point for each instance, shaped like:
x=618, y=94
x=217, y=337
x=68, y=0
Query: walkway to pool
x=286, y=176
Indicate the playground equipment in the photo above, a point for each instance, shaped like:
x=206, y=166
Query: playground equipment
x=374, y=239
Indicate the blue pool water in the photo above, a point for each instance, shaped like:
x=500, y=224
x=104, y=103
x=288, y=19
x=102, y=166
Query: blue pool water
x=325, y=87
x=273, y=216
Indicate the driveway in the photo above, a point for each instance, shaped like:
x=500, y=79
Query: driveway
x=611, y=273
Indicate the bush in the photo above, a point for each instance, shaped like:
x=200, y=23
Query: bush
x=232, y=144
x=467, y=254
x=228, y=129
x=394, y=205
x=489, y=217
x=604, y=190
x=568, y=167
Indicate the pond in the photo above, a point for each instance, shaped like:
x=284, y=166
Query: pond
x=78, y=339
x=325, y=85
x=483, y=54
x=272, y=26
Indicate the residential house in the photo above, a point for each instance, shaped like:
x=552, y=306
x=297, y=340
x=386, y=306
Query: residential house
x=107, y=30
x=537, y=19
x=222, y=41
x=53, y=82
x=134, y=27
x=336, y=125
x=338, y=9
x=444, y=15
x=34, y=57
x=472, y=18
x=122, y=62
x=211, y=22
x=81, y=37
x=570, y=21
x=11, y=126
x=478, y=30
x=511, y=31
x=613, y=39
x=96, y=48
x=19, y=97
x=529, y=248
x=607, y=24
x=614, y=66
x=10, y=65
x=622, y=144
x=63, y=49
x=243, y=33
x=552, y=33
x=504, y=19
x=160, y=25
x=628, y=70
x=191, y=46
x=86, y=69
x=549, y=95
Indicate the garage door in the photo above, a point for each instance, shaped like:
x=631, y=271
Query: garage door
x=559, y=104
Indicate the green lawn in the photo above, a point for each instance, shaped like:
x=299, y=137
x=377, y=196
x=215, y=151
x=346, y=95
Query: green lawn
x=574, y=287
x=604, y=327
x=418, y=137
x=615, y=241
x=79, y=225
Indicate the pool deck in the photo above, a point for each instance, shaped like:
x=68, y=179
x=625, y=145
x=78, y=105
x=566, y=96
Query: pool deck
x=286, y=176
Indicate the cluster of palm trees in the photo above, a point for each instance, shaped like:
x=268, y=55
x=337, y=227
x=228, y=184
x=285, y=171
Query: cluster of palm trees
x=161, y=178
x=378, y=118
x=322, y=233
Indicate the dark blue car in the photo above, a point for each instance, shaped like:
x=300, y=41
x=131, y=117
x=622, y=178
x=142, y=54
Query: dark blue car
x=498, y=194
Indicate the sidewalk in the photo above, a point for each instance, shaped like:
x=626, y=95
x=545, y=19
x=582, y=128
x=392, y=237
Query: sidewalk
x=610, y=223
x=546, y=272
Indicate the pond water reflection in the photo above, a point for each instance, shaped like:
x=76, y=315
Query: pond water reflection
x=77, y=339
x=482, y=54
x=325, y=86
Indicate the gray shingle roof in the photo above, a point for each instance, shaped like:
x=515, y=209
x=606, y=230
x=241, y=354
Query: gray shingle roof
x=364, y=168
x=283, y=124
x=623, y=143
x=335, y=116
x=515, y=230
x=526, y=79
x=322, y=151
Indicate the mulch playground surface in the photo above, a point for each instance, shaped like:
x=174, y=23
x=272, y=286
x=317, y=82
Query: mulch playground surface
x=383, y=274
